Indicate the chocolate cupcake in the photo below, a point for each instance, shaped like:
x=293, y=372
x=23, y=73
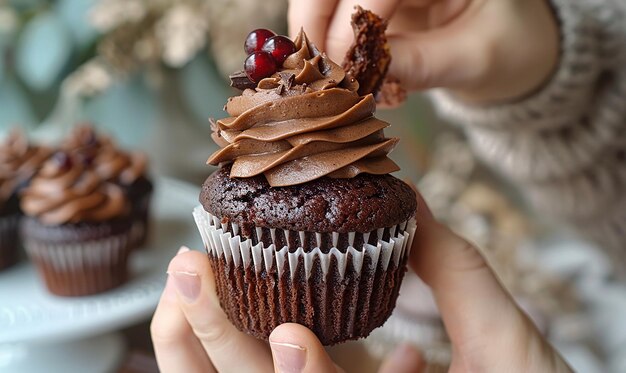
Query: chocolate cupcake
x=19, y=161
x=127, y=169
x=77, y=228
x=303, y=223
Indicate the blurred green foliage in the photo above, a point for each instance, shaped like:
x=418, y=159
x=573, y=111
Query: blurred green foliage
x=44, y=41
x=41, y=42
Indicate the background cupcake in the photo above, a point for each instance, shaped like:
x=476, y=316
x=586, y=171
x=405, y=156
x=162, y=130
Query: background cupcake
x=19, y=161
x=76, y=228
x=127, y=169
x=303, y=223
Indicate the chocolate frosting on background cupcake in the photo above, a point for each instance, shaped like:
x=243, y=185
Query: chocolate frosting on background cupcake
x=19, y=161
x=110, y=163
x=67, y=192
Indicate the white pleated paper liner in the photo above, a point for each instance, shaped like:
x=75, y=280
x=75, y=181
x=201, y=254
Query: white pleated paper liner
x=9, y=240
x=339, y=294
x=81, y=268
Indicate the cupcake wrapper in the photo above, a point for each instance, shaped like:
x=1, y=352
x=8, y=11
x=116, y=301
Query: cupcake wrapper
x=81, y=268
x=141, y=224
x=339, y=294
x=138, y=232
x=9, y=240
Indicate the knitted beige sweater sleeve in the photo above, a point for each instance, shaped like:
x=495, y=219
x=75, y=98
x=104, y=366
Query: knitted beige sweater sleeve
x=565, y=146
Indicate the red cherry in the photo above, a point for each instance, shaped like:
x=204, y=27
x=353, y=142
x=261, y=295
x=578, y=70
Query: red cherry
x=255, y=39
x=63, y=160
x=279, y=47
x=259, y=65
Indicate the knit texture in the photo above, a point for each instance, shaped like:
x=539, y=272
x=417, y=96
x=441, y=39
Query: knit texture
x=565, y=146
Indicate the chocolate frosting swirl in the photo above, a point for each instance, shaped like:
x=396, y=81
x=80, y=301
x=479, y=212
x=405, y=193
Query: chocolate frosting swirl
x=19, y=161
x=66, y=191
x=109, y=161
x=112, y=164
x=302, y=123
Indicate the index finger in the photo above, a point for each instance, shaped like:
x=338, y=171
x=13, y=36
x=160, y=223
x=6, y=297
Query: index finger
x=313, y=16
x=339, y=36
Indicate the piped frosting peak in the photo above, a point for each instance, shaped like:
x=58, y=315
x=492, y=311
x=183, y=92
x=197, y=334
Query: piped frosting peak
x=304, y=122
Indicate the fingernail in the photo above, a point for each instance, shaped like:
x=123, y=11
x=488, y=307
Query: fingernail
x=289, y=358
x=183, y=249
x=187, y=285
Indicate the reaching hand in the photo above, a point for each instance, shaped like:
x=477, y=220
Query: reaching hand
x=481, y=50
x=488, y=331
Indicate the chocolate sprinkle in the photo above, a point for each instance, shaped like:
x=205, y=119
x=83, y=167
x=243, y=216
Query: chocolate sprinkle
x=241, y=81
x=287, y=79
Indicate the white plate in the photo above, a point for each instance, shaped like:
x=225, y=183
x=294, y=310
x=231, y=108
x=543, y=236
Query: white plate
x=29, y=313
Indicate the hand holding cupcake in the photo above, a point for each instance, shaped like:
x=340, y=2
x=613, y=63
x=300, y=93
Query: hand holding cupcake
x=313, y=254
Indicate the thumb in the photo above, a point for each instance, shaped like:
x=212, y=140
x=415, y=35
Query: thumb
x=296, y=349
x=437, y=58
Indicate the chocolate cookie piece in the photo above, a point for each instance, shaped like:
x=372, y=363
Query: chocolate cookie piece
x=362, y=204
x=369, y=57
x=241, y=81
